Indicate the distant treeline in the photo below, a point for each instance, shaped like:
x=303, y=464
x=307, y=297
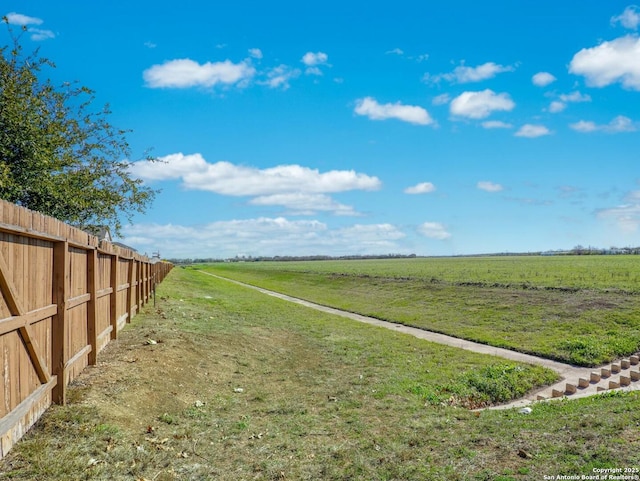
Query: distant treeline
x=291, y=258
x=586, y=251
x=576, y=251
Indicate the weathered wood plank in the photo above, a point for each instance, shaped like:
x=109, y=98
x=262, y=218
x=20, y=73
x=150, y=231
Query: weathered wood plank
x=130, y=290
x=4, y=377
x=59, y=338
x=106, y=332
x=36, y=234
x=13, y=341
x=92, y=307
x=122, y=321
x=104, y=292
x=113, y=300
x=16, y=322
x=77, y=357
x=9, y=291
x=78, y=301
x=15, y=424
x=34, y=354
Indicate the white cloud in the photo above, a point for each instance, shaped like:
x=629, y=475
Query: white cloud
x=532, y=131
x=371, y=234
x=264, y=236
x=417, y=58
x=255, y=53
x=621, y=124
x=185, y=73
x=557, y=106
x=38, y=34
x=226, y=178
x=370, y=108
x=311, y=59
x=618, y=124
x=434, y=230
x=313, y=71
x=633, y=197
x=496, y=124
x=630, y=18
x=584, y=126
x=542, y=79
x=441, y=99
x=610, y=62
x=463, y=74
x=421, y=188
x=478, y=105
x=625, y=216
x=299, y=203
x=575, y=97
x=169, y=167
x=19, y=19
x=279, y=77
x=488, y=186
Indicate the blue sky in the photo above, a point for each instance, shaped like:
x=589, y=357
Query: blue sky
x=297, y=128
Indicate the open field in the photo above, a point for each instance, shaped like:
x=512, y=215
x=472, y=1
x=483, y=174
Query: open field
x=242, y=386
x=583, y=310
x=582, y=272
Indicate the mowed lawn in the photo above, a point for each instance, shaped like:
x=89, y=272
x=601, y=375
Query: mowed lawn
x=584, y=310
x=220, y=382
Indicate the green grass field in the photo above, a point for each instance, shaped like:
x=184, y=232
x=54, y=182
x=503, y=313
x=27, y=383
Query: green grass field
x=582, y=272
x=242, y=386
x=583, y=310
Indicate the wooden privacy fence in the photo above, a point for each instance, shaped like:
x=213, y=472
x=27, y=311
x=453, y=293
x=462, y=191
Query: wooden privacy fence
x=65, y=295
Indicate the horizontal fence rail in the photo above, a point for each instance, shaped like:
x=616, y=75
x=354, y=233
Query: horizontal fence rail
x=65, y=296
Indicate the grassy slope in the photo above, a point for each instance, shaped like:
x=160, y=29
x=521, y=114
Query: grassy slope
x=585, y=326
x=323, y=398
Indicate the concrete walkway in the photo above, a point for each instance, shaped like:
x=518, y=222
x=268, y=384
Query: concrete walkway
x=575, y=381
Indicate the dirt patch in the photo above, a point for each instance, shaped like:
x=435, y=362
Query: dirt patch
x=149, y=372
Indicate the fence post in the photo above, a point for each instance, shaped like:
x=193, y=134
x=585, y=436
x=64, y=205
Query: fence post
x=140, y=291
x=113, y=298
x=130, y=296
x=140, y=285
x=59, y=340
x=92, y=306
x=146, y=282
